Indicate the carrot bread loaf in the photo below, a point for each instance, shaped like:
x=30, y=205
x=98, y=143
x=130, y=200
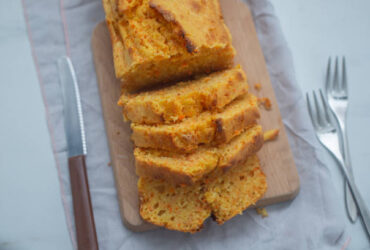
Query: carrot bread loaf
x=157, y=41
x=188, y=168
x=176, y=208
x=185, y=99
x=184, y=208
x=230, y=193
x=208, y=127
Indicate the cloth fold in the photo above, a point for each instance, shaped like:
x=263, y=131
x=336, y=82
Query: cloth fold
x=310, y=221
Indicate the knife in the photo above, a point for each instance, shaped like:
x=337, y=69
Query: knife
x=76, y=142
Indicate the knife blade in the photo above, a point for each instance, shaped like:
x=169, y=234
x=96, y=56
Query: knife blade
x=76, y=143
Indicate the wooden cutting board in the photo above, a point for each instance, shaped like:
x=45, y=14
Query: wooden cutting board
x=276, y=157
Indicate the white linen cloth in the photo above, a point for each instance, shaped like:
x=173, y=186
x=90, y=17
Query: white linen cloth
x=310, y=221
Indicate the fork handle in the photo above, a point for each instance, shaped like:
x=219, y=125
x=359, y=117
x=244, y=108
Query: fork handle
x=340, y=116
x=350, y=203
x=351, y=207
x=361, y=205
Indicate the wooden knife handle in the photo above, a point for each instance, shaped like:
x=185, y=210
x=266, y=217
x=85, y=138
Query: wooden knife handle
x=83, y=213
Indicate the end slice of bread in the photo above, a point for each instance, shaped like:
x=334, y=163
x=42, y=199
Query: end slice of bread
x=176, y=208
x=185, y=208
x=229, y=194
x=166, y=41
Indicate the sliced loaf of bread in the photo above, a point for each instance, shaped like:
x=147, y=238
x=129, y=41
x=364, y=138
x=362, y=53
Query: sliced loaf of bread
x=185, y=208
x=184, y=99
x=178, y=168
x=230, y=193
x=176, y=208
x=208, y=127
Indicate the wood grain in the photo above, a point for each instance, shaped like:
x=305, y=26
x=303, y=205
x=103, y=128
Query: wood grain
x=276, y=157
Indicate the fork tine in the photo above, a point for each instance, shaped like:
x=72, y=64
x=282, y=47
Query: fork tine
x=319, y=113
x=313, y=120
x=344, y=76
x=336, y=76
x=325, y=106
x=327, y=81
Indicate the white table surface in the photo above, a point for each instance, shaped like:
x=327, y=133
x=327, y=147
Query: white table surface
x=31, y=212
x=318, y=29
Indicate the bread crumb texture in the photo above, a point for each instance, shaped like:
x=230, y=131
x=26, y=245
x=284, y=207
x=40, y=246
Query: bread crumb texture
x=157, y=41
x=185, y=208
x=232, y=192
x=185, y=99
x=262, y=211
x=257, y=86
x=179, y=168
x=265, y=102
x=207, y=128
x=175, y=208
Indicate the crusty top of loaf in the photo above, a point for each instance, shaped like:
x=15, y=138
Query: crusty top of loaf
x=200, y=21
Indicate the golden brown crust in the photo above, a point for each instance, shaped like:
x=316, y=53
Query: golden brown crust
x=215, y=128
x=155, y=50
x=186, y=169
x=228, y=160
x=118, y=49
x=107, y=9
x=145, y=168
x=170, y=18
x=185, y=99
x=201, y=23
x=176, y=138
x=179, y=169
x=226, y=129
x=185, y=208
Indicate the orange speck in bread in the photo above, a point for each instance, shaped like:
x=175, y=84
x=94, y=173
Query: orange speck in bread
x=207, y=128
x=165, y=39
x=189, y=213
x=231, y=193
x=194, y=123
x=184, y=99
x=180, y=168
x=225, y=195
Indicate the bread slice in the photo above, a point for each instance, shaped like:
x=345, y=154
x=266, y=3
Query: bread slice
x=185, y=208
x=238, y=149
x=165, y=41
x=180, y=168
x=230, y=193
x=173, y=167
x=185, y=99
x=176, y=208
x=208, y=127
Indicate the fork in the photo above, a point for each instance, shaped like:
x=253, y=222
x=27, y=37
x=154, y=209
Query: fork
x=337, y=96
x=327, y=134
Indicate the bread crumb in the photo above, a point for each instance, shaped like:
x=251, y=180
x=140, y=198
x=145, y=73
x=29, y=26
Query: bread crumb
x=257, y=86
x=270, y=135
x=265, y=102
x=262, y=211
